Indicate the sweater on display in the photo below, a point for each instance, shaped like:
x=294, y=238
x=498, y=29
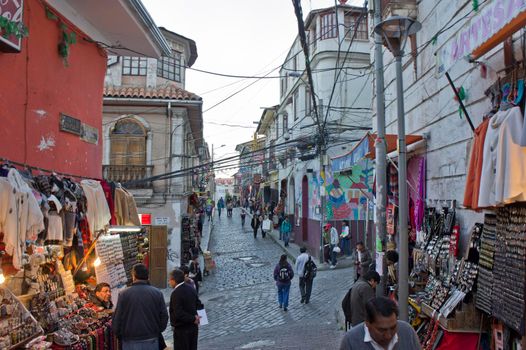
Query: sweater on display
x=98, y=213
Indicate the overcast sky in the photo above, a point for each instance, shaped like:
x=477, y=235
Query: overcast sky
x=237, y=37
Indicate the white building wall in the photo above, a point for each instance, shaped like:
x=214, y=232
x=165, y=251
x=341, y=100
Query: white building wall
x=431, y=110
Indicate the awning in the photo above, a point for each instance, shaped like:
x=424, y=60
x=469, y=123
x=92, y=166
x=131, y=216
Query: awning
x=365, y=149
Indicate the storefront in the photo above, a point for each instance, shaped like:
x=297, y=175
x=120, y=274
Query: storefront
x=61, y=236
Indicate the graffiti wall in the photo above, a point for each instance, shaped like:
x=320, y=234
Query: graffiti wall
x=347, y=194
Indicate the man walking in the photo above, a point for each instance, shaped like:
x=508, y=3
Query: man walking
x=220, y=206
x=255, y=222
x=363, y=260
x=140, y=316
x=306, y=270
x=362, y=291
x=334, y=239
x=183, y=313
x=381, y=329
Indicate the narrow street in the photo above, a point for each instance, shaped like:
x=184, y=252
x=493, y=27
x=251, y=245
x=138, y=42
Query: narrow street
x=241, y=300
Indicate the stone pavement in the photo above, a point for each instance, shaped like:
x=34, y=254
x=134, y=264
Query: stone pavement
x=241, y=300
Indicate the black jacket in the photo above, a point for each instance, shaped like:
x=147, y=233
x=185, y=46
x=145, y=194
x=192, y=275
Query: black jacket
x=183, y=307
x=99, y=303
x=140, y=313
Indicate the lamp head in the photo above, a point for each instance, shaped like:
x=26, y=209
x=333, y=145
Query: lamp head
x=395, y=30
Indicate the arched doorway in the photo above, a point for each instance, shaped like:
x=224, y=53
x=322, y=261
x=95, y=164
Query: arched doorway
x=305, y=208
x=293, y=215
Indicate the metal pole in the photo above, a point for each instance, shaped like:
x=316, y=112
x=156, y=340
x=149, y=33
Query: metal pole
x=322, y=188
x=380, y=147
x=403, y=264
x=460, y=101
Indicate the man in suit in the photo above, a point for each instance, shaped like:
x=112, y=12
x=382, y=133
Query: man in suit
x=183, y=313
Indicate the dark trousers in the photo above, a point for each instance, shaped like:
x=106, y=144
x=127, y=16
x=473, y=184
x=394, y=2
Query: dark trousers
x=186, y=338
x=305, y=289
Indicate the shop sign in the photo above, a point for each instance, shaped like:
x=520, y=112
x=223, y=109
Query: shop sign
x=497, y=19
x=146, y=219
x=89, y=134
x=347, y=161
x=162, y=221
x=13, y=11
x=70, y=124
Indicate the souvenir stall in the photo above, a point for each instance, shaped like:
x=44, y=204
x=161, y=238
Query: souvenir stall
x=56, y=244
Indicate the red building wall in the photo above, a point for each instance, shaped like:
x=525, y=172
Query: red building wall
x=36, y=86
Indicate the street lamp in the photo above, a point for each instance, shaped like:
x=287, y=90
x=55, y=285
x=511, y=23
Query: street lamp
x=395, y=31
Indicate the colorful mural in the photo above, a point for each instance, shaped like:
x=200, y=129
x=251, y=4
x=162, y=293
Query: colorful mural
x=347, y=194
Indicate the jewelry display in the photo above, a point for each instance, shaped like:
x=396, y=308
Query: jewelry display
x=487, y=251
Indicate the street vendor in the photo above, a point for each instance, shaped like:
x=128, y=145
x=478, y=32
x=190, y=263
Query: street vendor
x=101, y=297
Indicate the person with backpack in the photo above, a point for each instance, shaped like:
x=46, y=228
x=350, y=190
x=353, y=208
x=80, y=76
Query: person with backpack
x=283, y=275
x=361, y=292
x=306, y=270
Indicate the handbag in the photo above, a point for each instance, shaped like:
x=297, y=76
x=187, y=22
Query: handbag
x=336, y=249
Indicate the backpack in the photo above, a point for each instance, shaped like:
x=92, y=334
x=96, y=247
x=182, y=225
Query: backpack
x=346, y=305
x=310, y=269
x=284, y=274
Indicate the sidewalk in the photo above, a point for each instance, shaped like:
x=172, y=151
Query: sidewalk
x=293, y=250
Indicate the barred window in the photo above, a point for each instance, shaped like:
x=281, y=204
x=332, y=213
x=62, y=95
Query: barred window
x=328, y=26
x=170, y=67
x=351, y=23
x=134, y=65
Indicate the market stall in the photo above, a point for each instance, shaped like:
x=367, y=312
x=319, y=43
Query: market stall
x=58, y=238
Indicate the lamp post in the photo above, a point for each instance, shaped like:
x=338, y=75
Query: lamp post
x=395, y=30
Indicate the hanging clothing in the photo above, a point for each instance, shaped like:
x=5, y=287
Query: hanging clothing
x=55, y=229
x=489, y=160
x=98, y=213
x=510, y=182
x=125, y=208
x=9, y=220
x=108, y=193
x=30, y=220
x=471, y=193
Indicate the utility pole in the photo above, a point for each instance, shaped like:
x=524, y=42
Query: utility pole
x=380, y=148
x=321, y=153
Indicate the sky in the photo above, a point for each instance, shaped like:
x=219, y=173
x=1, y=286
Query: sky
x=236, y=37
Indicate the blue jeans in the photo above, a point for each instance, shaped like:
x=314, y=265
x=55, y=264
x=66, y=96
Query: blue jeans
x=283, y=294
x=286, y=237
x=148, y=344
x=346, y=246
x=332, y=254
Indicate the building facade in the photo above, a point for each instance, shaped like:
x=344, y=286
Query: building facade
x=51, y=100
x=153, y=126
x=339, y=48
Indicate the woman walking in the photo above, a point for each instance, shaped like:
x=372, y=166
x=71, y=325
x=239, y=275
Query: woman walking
x=283, y=275
x=346, y=239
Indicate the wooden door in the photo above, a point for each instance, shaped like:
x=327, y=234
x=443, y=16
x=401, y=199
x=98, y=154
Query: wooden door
x=158, y=237
x=305, y=208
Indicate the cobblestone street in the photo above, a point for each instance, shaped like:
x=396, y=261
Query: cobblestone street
x=241, y=300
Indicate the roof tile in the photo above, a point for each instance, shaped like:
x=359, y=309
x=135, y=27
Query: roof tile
x=170, y=92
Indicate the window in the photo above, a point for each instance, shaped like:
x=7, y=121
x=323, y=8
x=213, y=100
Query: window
x=351, y=21
x=283, y=86
x=328, y=26
x=134, y=65
x=170, y=67
x=314, y=38
x=285, y=123
x=296, y=104
x=308, y=101
x=295, y=63
x=277, y=125
x=128, y=143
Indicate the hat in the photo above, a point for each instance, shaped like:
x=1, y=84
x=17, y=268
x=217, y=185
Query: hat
x=327, y=227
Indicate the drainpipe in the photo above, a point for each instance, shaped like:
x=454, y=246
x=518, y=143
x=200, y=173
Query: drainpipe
x=170, y=120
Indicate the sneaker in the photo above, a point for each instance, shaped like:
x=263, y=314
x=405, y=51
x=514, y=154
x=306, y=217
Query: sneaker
x=285, y=309
x=302, y=300
x=332, y=267
x=306, y=301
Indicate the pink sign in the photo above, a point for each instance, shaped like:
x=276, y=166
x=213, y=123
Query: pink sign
x=12, y=10
x=481, y=27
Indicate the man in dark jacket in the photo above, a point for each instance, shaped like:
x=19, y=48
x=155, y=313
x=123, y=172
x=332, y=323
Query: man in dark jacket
x=140, y=316
x=362, y=292
x=363, y=260
x=183, y=313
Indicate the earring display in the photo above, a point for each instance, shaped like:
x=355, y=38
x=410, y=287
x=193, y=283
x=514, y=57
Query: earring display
x=508, y=268
x=129, y=252
x=487, y=251
x=111, y=269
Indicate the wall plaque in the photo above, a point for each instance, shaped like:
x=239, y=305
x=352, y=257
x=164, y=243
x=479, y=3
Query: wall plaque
x=89, y=134
x=70, y=124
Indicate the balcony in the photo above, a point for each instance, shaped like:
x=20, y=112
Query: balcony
x=407, y=8
x=126, y=173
